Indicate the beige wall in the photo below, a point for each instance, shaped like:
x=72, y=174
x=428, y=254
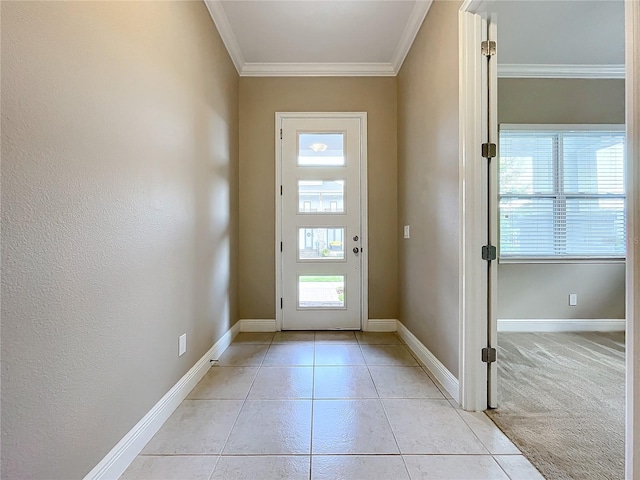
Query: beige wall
x=542, y=290
x=119, y=200
x=260, y=98
x=428, y=185
x=537, y=100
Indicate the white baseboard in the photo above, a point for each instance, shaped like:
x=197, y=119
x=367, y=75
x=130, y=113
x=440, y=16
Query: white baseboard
x=429, y=360
x=561, y=325
x=381, y=325
x=126, y=450
x=258, y=325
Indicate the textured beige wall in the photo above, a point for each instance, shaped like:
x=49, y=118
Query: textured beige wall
x=260, y=98
x=542, y=290
x=119, y=200
x=428, y=185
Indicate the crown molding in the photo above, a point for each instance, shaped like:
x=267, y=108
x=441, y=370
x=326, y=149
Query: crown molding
x=418, y=14
x=226, y=32
x=317, y=70
x=560, y=71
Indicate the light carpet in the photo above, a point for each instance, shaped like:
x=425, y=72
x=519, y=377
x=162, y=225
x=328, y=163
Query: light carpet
x=561, y=401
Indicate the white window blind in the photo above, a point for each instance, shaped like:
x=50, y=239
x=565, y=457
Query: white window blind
x=561, y=193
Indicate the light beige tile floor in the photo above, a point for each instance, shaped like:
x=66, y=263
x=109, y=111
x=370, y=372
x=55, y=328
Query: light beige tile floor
x=329, y=405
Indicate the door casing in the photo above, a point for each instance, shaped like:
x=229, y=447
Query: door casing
x=364, y=232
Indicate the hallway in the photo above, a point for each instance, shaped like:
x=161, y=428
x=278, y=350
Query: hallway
x=359, y=403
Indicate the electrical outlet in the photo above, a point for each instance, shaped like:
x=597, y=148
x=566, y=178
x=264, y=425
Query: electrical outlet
x=182, y=344
x=407, y=231
x=573, y=299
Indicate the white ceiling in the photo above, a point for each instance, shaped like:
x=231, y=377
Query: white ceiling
x=565, y=38
x=318, y=37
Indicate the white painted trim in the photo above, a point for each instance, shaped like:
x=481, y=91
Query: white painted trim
x=430, y=362
x=317, y=70
x=364, y=206
x=561, y=325
x=364, y=221
x=416, y=18
x=492, y=210
x=381, y=325
x=258, y=325
x=560, y=71
x=472, y=270
x=632, y=104
x=278, y=219
x=120, y=457
x=216, y=10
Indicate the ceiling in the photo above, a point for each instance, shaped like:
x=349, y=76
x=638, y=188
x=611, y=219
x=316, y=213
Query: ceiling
x=318, y=37
x=537, y=38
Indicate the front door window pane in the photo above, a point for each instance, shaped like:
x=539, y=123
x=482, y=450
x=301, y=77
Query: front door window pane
x=321, y=196
x=320, y=243
x=321, y=149
x=321, y=291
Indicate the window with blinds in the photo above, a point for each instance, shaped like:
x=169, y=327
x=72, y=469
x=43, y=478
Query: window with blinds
x=561, y=193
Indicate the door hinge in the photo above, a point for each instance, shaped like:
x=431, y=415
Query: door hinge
x=489, y=150
x=489, y=355
x=281, y=303
x=489, y=253
x=280, y=134
x=280, y=246
x=489, y=48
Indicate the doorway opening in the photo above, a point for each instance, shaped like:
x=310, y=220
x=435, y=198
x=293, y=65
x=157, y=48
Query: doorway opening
x=473, y=392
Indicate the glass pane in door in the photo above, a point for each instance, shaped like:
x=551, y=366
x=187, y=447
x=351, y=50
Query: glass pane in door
x=326, y=243
x=321, y=149
x=320, y=196
x=321, y=291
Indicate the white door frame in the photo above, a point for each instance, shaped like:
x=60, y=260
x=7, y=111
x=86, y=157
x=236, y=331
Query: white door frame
x=364, y=232
x=472, y=282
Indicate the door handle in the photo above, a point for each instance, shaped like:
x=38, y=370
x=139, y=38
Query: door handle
x=356, y=250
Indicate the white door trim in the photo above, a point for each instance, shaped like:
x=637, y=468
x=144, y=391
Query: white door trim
x=472, y=390
x=632, y=104
x=472, y=270
x=364, y=232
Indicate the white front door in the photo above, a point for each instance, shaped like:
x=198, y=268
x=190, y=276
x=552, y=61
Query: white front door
x=320, y=220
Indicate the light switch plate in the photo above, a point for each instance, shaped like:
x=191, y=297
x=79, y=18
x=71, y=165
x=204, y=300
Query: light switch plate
x=573, y=299
x=407, y=231
x=182, y=344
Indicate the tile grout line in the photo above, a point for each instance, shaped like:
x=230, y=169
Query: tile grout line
x=386, y=415
x=244, y=402
x=214, y=468
x=502, y=468
x=313, y=400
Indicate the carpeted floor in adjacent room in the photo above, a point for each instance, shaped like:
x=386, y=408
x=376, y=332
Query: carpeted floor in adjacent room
x=561, y=401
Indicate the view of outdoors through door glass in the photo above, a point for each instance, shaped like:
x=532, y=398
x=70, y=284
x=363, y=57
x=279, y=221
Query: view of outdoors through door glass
x=321, y=291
